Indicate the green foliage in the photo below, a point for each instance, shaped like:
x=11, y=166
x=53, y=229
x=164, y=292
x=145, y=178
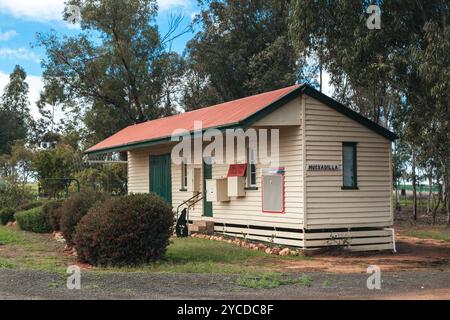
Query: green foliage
x=6, y=215
x=13, y=195
x=5, y=264
x=442, y=234
x=111, y=178
x=14, y=110
x=53, y=213
x=29, y=205
x=122, y=73
x=125, y=230
x=75, y=208
x=17, y=165
x=271, y=280
x=33, y=220
x=53, y=164
x=241, y=49
x=10, y=236
x=398, y=76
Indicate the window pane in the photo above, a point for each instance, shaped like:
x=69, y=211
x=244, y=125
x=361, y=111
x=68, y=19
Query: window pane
x=251, y=168
x=185, y=175
x=253, y=174
x=348, y=168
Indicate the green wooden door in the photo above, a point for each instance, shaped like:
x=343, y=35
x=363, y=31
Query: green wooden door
x=161, y=177
x=207, y=205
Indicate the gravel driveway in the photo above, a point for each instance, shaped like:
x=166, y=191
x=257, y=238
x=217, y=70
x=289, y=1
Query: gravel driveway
x=21, y=284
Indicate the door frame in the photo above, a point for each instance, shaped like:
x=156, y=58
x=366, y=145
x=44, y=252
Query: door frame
x=169, y=170
x=206, y=213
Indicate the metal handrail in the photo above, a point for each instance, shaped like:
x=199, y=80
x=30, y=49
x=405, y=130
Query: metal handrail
x=191, y=202
x=186, y=201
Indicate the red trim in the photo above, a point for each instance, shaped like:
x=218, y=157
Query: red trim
x=237, y=170
x=284, y=198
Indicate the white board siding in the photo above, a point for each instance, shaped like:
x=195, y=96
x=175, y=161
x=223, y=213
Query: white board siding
x=138, y=171
x=328, y=206
x=243, y=210
x=138, y=176
x=322, y=131
x=248, y=210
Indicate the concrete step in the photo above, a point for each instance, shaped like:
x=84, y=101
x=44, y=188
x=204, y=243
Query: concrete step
x=202, y=226
x=196, y=228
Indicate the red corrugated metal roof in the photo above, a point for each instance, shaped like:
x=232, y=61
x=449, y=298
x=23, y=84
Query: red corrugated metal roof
x=215, y=116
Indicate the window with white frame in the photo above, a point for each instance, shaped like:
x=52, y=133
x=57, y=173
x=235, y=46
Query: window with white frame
x=184, y=177
x=251, y=168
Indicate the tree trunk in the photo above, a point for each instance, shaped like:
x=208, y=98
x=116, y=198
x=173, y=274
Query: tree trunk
x=397, y=195
x=438, y=202
x=414, y=178
x=430, y=191
x=320, y=73
x=447, y=196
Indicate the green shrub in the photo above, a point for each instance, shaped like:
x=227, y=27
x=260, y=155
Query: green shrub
x=75, y=208
x=32, y=220
x=29, y=205
x=6, y=215
x=52, y=212
x=125, y=230
x=12, y=194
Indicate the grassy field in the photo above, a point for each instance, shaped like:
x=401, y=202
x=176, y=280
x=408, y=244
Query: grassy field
x=429, y=232
x=421, y=187
x=20, y=249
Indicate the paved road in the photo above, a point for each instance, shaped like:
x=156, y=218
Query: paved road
x=20, y=284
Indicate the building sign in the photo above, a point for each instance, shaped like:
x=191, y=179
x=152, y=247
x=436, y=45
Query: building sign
x=322, y=167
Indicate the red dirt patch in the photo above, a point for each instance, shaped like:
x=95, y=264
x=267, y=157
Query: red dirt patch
x=413, y=254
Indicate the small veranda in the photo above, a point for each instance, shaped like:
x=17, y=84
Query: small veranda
x=330, y=186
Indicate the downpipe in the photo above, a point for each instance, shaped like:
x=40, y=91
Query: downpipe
x=394, y=249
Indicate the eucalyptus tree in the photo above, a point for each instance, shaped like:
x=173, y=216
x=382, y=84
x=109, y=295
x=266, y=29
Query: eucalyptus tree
x=241, y=48
x=117, y=68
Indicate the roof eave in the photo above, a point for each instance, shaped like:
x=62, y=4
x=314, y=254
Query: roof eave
x=247, y=122
x=152, y=142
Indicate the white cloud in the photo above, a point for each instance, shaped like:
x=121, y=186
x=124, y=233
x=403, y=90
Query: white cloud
x=5, y=36
x=170, y=4
x=20, y=53
x=36, y=10
x=35, y=85
x=50, y=10
x=327, y=88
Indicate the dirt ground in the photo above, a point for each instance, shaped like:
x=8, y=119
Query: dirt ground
x=28, y=284
x=413, y=254
x=419, y=270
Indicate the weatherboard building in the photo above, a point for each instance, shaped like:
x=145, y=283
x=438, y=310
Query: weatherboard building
x=331, y=183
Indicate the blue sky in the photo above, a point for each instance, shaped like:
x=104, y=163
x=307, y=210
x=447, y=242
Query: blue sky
x=20, y=20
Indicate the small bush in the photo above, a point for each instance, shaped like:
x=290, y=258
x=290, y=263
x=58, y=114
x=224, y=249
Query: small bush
x=6, y=215
x=125, y=230
x=32, y=220
x=75, y=208
x=52, y=212
x=29, y=205
x=13, y=194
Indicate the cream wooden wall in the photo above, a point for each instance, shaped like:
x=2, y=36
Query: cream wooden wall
x=138, y=177
x=243, y=210
x=327, y=205
x=248, y=210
